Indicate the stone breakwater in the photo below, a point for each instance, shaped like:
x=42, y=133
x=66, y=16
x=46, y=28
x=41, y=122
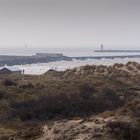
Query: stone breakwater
x=21, y=60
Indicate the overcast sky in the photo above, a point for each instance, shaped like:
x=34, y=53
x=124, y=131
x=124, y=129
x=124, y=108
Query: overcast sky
x=70, y=23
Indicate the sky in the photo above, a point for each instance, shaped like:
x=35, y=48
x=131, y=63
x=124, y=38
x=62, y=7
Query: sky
x=70, y=23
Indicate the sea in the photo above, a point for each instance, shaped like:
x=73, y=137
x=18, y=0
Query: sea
x=40, y=68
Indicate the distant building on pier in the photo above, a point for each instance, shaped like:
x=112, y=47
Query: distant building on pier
x=49, y=55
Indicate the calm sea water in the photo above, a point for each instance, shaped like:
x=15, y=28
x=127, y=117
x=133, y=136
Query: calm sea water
x=68, y=52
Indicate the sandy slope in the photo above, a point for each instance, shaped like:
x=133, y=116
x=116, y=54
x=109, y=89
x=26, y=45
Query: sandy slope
x=93, y=128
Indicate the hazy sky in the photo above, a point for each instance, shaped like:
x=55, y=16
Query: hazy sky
x=66, y=23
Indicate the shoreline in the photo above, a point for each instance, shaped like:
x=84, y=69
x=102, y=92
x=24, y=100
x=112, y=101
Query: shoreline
x=40, y=68
x=34, y=59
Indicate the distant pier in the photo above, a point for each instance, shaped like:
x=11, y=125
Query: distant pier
x=117, y=51
x=102, y=50
x=106, y=57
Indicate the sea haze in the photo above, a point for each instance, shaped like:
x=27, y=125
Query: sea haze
x=69, y=22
